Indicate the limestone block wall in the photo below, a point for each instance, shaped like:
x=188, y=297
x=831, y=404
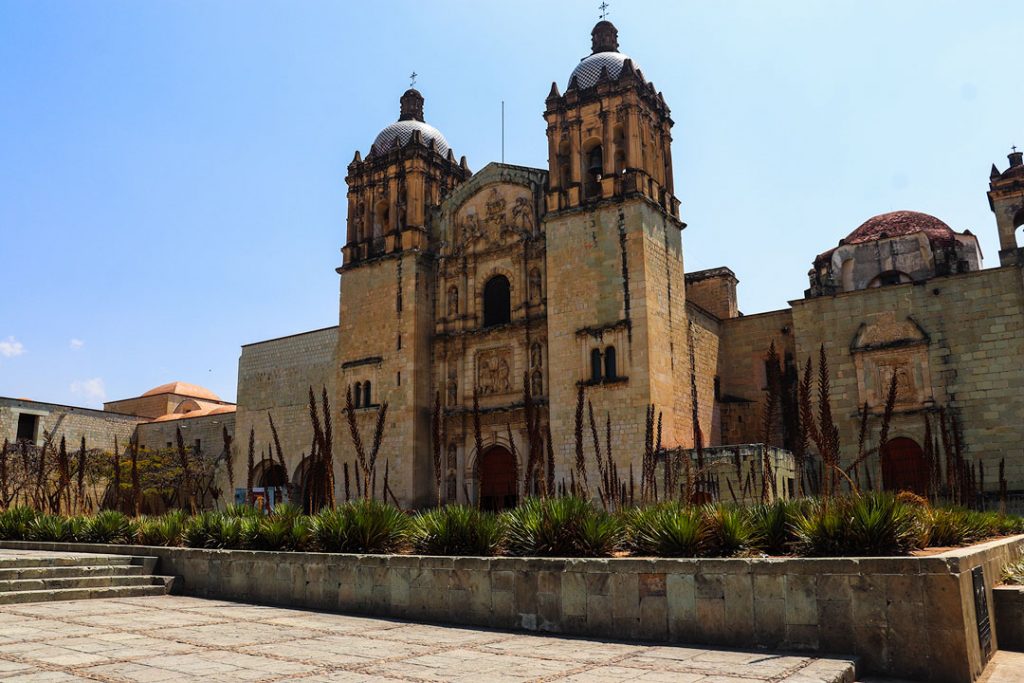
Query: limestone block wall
x=206, y=431
x=714, y=290
x=741, y=370
x=705, y=335
x=969, y=360
x=384, y=337
x=274, y=378
x=615, y=276
x=99, y=427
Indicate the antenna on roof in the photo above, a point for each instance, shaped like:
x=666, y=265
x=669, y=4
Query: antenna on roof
x=604, y=10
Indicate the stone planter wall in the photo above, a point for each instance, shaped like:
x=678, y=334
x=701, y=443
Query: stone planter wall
x=908, y=617
x=1008, y=604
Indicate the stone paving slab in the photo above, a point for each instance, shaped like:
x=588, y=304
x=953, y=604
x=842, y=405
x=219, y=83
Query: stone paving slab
x=174, y=638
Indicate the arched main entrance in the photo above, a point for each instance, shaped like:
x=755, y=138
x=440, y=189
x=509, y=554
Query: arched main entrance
x=904, y=467
x=311, y=481
x=270, y=485
x=497, y=479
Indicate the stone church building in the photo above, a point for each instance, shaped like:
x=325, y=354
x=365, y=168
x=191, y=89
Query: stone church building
x=574, y=275
x=465, y=288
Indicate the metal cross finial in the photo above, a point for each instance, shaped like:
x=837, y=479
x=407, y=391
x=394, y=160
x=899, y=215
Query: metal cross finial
x=412, y=79
x=604, y=10
x=1013, y=147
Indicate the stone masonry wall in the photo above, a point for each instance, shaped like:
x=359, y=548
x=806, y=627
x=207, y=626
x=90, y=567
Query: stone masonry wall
x=274, y=378
x=97, y=426
x=971, y=360
x=744, y=345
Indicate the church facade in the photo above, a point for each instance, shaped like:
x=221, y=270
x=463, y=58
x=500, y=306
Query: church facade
x=491, y=298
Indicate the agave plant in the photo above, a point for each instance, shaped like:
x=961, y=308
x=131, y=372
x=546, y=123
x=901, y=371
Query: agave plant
x=108, y=526
x=361, y=526
x=198, y=531
x=561, y=527
x=880, y=524
x=666, y=530
x=456, y=530
x=821, y=528
x=14, y=523
x=773, y=526
x=727, y=530
x=48, y=528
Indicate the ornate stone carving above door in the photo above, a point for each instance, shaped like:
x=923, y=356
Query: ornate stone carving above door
x=888, y=344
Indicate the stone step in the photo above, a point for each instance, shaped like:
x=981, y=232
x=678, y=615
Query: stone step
x=98, y=581
x=68, y=561
x=37, y=572
x=108, y=592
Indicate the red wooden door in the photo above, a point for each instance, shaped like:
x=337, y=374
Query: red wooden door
x=904, y=467
x=497, y=479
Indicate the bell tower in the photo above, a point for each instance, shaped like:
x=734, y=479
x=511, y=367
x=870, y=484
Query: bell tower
x=609, y=135
x=387, y=286
x=1006, y=198
x=617, y=320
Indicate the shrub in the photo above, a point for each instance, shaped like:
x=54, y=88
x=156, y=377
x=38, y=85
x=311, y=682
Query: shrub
x=49, y=528
x=362, y=526
x=198, y=530
x=821, y=529
x=667, y=530
x=14, y=523
x=880, y=524
x=456, y=530
x=561, y=527
x=773, y=526
x=107, y=526
x=727, y=530
x=242, y=510
x=954, y=526
x=1013, y=573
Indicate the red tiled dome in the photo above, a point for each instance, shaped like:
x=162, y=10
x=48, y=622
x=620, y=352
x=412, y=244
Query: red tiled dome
x=899, y=223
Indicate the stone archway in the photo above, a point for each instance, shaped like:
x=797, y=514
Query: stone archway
x=309, y=483
x=498, y=486
x=904, y=467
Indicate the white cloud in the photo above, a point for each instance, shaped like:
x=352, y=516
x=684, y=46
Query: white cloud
x=76, y=344
x=91, y=390
x=11, y=347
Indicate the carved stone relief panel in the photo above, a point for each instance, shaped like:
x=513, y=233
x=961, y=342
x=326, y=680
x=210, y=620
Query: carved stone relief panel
x=888, y=345
x=494, y=371
x=492, y=217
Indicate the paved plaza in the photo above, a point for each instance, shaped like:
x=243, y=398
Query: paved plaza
x=171, y=638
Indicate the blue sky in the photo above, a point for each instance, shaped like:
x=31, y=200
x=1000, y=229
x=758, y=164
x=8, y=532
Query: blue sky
x=172, y=173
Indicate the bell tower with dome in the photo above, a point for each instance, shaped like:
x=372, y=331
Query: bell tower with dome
x=387, y=291
x=617, y=316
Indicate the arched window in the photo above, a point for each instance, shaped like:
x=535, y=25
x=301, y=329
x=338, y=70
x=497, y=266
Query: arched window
x=381, y=216
x=595, y=365
x=537, y=384
x=609, y=363
x=359, y=395
x=594, y=170
x=497, y=301
x=366, y=394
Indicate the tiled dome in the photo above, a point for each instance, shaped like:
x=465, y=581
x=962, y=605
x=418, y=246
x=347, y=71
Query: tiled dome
x=403, y=131
x=409, y=121
x=588, y=71
x=899, y=223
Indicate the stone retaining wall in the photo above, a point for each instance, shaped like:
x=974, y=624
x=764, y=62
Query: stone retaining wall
x=909, y=617
x=1008, y=612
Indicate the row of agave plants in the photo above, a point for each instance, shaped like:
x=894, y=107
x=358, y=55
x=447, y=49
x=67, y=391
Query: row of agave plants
x=866, y=525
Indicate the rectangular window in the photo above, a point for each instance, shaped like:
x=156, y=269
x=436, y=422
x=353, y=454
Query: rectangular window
x=27, y=427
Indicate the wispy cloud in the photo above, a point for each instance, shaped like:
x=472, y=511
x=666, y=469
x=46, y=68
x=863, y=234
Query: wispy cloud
x=11, y=347
x=92, y=390
x=76, y=344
